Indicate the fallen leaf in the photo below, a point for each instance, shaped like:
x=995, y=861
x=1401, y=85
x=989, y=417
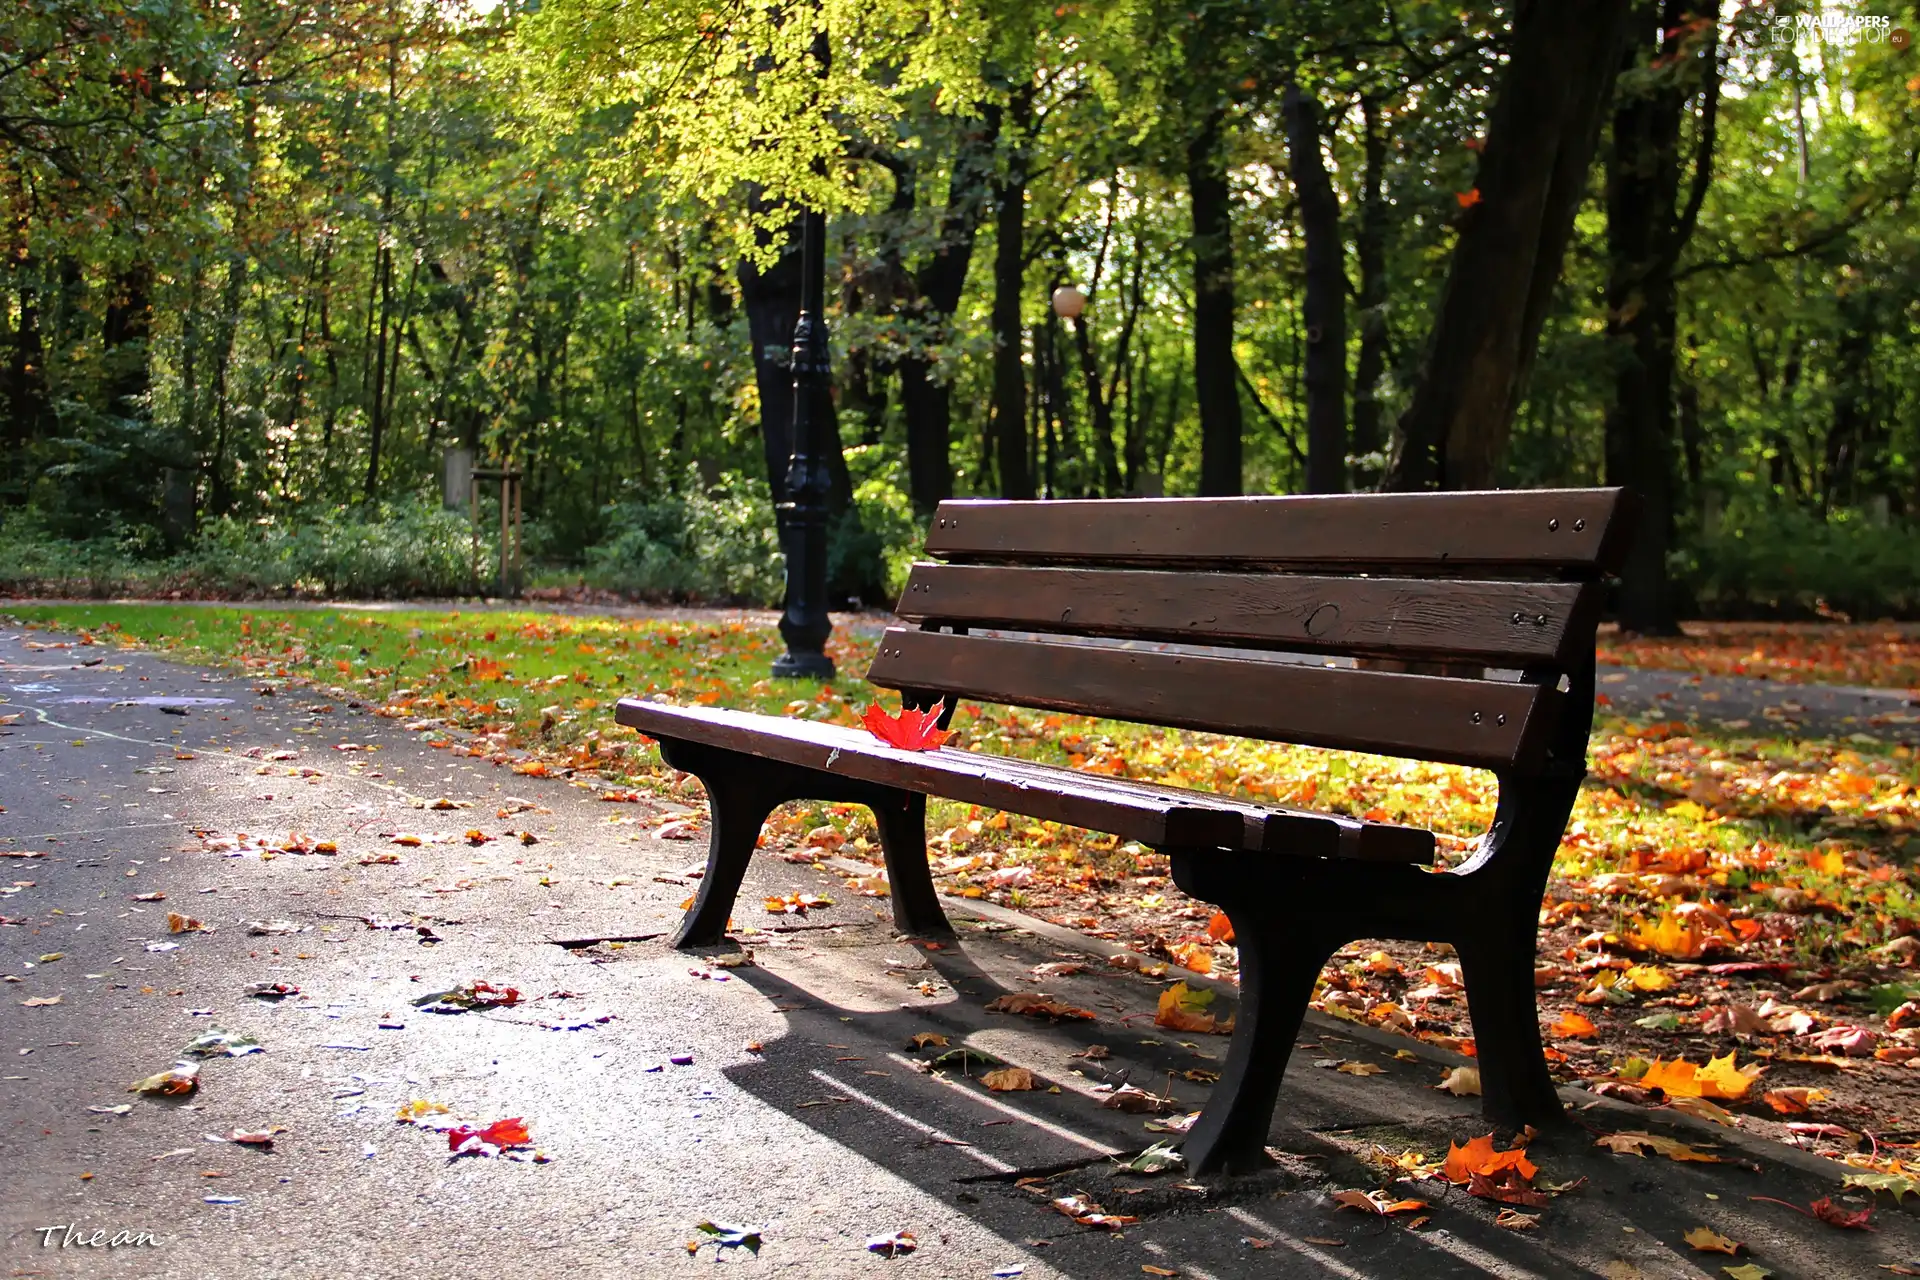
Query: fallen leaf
x=1039, y=1006
x=38, y=1002
x=177, y=1081
x=216, y=1043
x=1574, y=1025
x=1008, y=1080
x=928, y=1040
x=1513, y=1220
x=897, y=1245
x=1360, y=1069
x=1748, y=1271
x=728, y=1236
x=1152, y=1270
x=1718, y=1079
x=1135, y=1100
x=177, y=923
x=1376, y=1202
x=1637, y=1143
x=1480, y=1157
x=1793, y=1101
x=911, y=730
x=1184, y=1008
x=1707, y=1240
x=1158, y=1158
x=1462, y=1082
x=489, y=1140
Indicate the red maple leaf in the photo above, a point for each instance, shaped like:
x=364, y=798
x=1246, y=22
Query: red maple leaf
x=911, y=730
x=511, y=1132
x=1468, y=198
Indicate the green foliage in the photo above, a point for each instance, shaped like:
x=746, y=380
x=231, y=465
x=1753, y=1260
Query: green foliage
x=404, y=548
x=714, y=544
x=1777, y=559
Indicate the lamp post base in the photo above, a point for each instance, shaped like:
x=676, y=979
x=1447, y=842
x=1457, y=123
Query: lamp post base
x=802, y=665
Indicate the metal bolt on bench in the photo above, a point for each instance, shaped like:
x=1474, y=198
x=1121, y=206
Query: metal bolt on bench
x=1171, y=611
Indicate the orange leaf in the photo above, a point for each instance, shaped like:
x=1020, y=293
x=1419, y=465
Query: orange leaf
x=1468, y=198
x=1220, y=929
x=1479, y=1157
x=1574, y=1025
x=1375, y=1202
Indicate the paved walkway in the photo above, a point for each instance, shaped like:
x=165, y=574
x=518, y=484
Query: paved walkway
x=667, y=1090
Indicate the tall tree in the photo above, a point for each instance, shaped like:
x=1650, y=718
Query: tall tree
x=1514, y=224
x=1009, y=407
x=1671, y=61
x=1325, y=305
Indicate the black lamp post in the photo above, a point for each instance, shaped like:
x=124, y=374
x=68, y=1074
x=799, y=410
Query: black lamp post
x=804, y=624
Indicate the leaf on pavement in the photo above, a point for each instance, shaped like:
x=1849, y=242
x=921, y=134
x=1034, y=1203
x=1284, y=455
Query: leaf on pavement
x=1574, y=1025
x=1158, y=1158
x=1793, y=1101
x=1718, y=1079
x=218, y=1043
x=1036, y=1005
x=1184, y=1008
x=1901, y=1185
x=1748, y=1271
x=1376, y=1202
x=177, y=923
x=1637, y=1143
x=177, y=1081
x=728, y=1236
x=928, y=1040
x=1514, y=1220
x=897, y=1245
x=1008, y=1080
x=38, y=1002
x=1707, y=1240
x=490, y=1139
x=1462, y=1082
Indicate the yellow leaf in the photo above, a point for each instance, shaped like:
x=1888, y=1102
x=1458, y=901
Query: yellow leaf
x=929, y=1040
x=1462, y=1082
x=1748, y=1271
x=1361, y=1069
x=1718, y=1079
x=1707, y=1240
x=1184, y=1009
x=1647, y=978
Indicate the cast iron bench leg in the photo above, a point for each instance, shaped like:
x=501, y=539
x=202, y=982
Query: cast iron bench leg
x=902, y=818
x=738, y=807
x=1279, y=962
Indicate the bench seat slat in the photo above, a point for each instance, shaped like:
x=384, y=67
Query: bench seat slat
x=1524, y=530
x=1498, y=622
x=1153, y=814
x=1485, y=723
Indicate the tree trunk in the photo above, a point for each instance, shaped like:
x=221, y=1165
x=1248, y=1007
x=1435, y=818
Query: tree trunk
x=1513, y=234
x=1646, y=230
x=1216, y=386
x=1370, y=249
x=1009, y=412
x=926, y=401
x=1325, y=304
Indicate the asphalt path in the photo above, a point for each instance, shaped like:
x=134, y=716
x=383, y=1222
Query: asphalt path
x=799, y=1110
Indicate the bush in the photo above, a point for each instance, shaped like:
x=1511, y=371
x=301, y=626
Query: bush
x=1771, y=561
x=412, y=547
x=717, y=544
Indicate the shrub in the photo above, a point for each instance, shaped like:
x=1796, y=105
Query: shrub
x=717, y=544
x=1770, y=560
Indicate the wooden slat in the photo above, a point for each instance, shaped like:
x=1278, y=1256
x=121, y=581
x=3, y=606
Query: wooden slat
x=1486, y=723
x=1500, y=622
x=1529, y=530
x=1151, y=813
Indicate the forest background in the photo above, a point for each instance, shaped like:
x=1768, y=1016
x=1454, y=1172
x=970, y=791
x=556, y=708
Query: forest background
x=266, y=261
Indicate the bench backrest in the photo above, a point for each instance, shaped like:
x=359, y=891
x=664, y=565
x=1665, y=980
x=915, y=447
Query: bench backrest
x=1196, y=589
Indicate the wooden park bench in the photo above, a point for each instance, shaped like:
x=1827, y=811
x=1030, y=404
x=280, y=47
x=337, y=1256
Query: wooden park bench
x=1178, y=612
